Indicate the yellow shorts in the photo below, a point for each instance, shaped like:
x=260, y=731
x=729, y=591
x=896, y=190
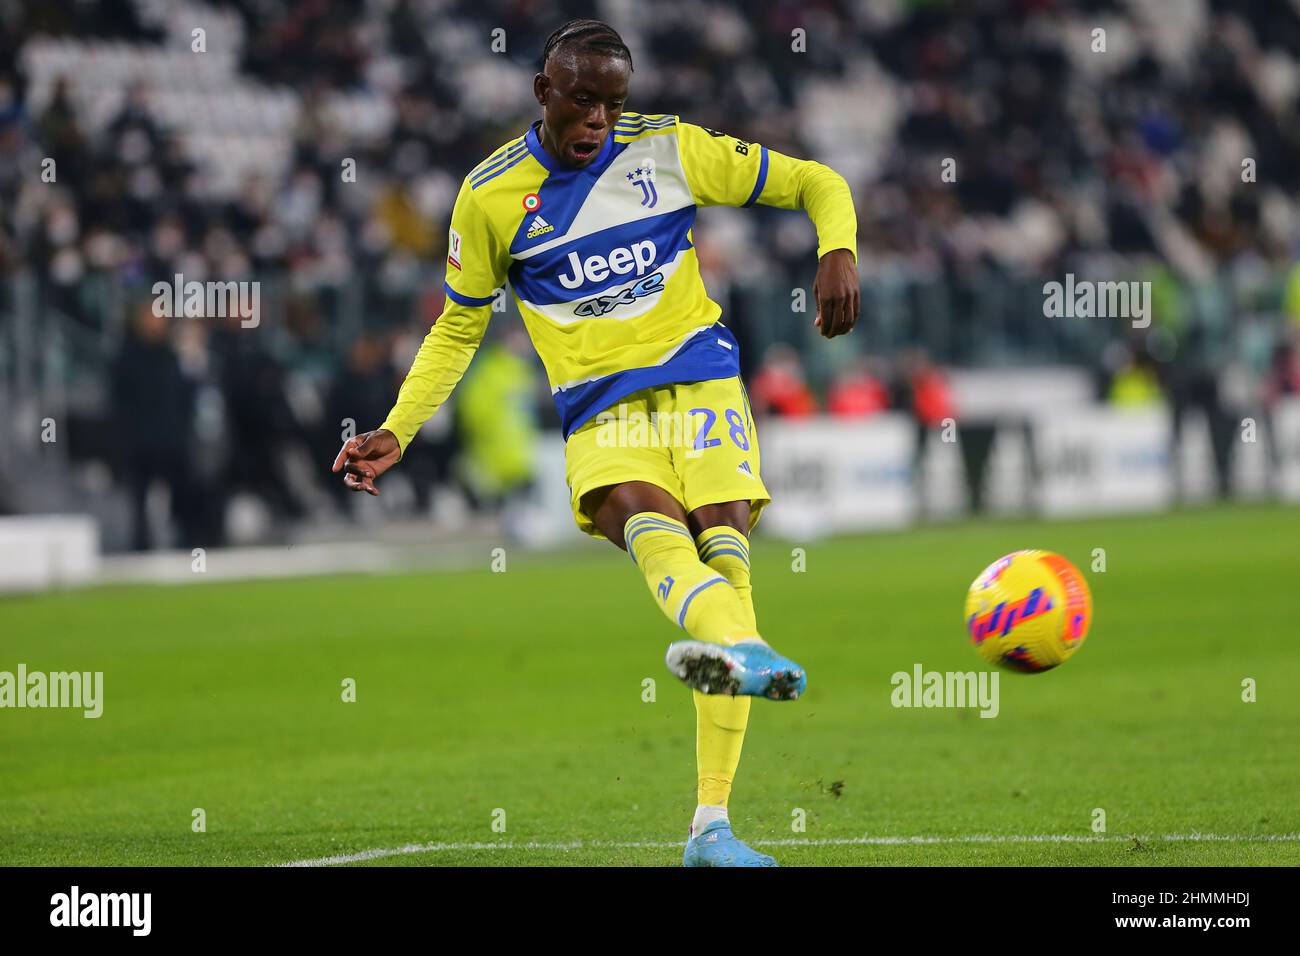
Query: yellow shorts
x=694, y=440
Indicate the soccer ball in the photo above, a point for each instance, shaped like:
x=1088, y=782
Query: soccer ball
x=1029, y=611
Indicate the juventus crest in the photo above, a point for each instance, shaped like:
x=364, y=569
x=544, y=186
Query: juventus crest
x=644, y=177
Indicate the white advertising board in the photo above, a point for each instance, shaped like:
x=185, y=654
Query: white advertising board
x=1099, y=459
x=829, y=476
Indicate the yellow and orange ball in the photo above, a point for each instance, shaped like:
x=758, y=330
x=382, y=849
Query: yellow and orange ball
x=1029, y=611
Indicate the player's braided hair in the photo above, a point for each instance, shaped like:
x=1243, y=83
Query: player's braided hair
x=592, y=36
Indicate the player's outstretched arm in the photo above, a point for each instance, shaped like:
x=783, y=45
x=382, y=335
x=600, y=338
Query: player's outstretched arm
x=476, y=267
x=365, y=457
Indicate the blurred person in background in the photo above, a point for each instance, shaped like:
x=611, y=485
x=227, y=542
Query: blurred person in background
x=1191, y=348
x=152, y=403
x=432, y=457
x=1283, y=376
x=361, y=391
x=1135, y=379
x=856, y=392
x=780, y=387
x=498, y=419
x=262, y=423
x=923, y=390
x=61, y=135
x=1281, y=383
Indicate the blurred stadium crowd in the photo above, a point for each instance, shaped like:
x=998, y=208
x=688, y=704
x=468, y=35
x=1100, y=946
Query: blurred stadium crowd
x=228, y=164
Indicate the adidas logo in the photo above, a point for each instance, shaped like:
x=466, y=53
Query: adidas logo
x=744, y=469
x=539, y=227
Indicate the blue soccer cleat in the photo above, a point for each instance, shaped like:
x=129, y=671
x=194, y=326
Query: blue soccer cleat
x=716, y=845
x=750, y=667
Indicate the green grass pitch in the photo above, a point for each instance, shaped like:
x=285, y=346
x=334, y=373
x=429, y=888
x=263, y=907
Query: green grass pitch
x=522, y=692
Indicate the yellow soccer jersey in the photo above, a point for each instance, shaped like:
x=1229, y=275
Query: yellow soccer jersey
x=601, y=260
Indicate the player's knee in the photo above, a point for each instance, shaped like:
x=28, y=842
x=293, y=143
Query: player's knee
x=613, y=505
x=727, y=514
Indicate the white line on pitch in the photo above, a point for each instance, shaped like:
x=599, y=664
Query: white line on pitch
x=381, y=853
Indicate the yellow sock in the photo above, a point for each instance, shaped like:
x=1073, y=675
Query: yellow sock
x=726, y=551
x=694, y=596
x=720, y=720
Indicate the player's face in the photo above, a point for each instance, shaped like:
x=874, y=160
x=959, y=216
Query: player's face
x=582, y=97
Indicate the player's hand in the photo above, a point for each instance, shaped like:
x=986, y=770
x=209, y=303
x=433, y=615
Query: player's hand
x=366, y=457
x=837, y=292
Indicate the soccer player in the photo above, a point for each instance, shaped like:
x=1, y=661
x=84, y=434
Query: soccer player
x=589, y=215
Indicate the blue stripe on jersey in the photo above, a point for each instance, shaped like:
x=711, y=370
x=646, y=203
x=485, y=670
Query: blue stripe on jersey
x=466, y=299
x=491, y=159
x=627, y=118
x=699, y=360
x=495, y=160
x=639, y=125
x=639, y=128
x=762, y=177
x=537, y=279
x=514, y=158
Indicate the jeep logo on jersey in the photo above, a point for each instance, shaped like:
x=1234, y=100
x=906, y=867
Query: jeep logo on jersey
x=638, y=257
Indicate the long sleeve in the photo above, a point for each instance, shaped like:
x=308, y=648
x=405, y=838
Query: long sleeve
x=725, y=171
x=821, y=192
x=477, y=265
x=438, y=368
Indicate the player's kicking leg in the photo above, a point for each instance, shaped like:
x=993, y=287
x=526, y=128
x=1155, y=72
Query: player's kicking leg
x=727, y=655
x=749, y=667
x=727, y=662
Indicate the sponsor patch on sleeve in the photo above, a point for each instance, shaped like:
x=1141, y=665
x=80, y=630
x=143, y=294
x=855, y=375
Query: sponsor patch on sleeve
x=453, y=249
